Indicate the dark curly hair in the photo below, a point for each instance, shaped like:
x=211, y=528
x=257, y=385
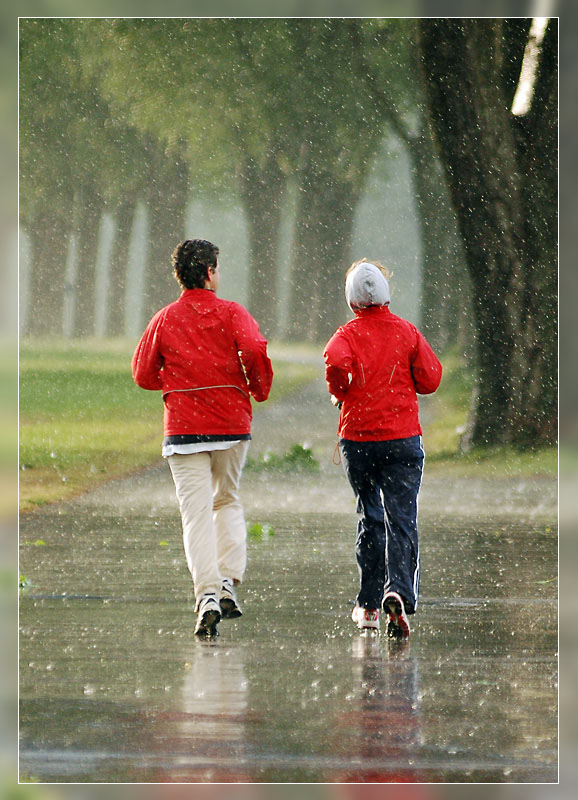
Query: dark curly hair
x=192, y=260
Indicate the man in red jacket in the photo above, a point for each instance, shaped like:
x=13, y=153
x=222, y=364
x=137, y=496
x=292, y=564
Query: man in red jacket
x=207, y=356
x=375, y=366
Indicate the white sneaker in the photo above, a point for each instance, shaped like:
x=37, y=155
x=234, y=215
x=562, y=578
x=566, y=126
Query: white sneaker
x=365, y=618
x=208, y=616
x=230, y=608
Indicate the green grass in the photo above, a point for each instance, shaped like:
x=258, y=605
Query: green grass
x=297, y=459
x=498, y=462
x=83, y=420
x=449, y=410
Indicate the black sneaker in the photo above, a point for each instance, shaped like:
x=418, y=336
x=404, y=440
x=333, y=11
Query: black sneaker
x=208, y=616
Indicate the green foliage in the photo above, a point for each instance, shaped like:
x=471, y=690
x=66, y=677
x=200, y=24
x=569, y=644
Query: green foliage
x=96, y=94
x=111, y=106
x=205, y=83
x=83, y=420
x=70, y=138
x=449, y=409
x=258, y=531
x=298, y=458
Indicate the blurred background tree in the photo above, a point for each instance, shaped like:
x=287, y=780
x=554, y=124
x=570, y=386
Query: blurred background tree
x=163, y=111
x=276, y=131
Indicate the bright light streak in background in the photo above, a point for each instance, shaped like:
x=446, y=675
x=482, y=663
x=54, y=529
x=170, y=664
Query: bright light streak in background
x=525, y=91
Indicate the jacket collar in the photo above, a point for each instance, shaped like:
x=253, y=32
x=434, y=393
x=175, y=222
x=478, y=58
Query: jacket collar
x=202, y=295
x=373, y=310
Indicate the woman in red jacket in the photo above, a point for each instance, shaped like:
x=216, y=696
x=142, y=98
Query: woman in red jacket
x=207, y=356
x=375, y=366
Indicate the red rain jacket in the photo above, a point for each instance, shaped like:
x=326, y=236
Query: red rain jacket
x=389, y=362
x=207, y=356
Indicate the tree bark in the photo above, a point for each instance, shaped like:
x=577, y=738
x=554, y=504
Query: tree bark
x=89, y=218
x=538, y=150
x=321, y=255
x=445, y=299
x=117, y=279
x=331, y=182
x=490, y=185
x=445, y=288
x=262, y=186
x=166, y=198
x=49, y=234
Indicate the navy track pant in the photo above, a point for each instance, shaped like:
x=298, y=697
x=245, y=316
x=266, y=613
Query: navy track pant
x=386, y=477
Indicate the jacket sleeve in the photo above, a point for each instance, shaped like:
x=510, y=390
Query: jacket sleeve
x=426, y=368
x=147, y=361
x=252, y=349
x=338, y=365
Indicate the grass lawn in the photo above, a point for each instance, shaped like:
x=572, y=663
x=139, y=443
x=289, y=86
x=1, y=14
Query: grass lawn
x=83, y=420
x=448, y=411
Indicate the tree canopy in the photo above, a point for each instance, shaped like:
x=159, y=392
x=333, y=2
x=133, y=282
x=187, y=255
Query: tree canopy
x=114, y=112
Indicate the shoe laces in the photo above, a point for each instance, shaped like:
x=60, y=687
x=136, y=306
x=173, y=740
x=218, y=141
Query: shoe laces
x=206, y=599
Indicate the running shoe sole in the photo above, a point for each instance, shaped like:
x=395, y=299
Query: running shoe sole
x=397, y=625
x=229, y=609
x=207, y=625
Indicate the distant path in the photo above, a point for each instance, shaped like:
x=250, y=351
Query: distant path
x=308, y=418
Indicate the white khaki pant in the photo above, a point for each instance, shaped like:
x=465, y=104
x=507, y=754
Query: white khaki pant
x=214, y=529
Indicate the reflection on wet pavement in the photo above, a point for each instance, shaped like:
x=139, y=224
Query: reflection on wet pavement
x=115, y=687
x=385, y=724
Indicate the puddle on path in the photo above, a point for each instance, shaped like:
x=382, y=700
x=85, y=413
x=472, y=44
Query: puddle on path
x=115, y=688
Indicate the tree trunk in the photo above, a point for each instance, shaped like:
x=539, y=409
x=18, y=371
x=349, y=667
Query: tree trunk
x=167, y=195
x=538, y=133
x=304, y=248
x=330, y=309
x=49, y=235
x=445, y=300
x=330, y=188
x=262, y=187
x=479, y=148
x=117, y=282
x=321, y=255
x=89, y=218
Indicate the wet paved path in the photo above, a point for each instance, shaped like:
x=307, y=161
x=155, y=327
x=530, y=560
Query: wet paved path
x=115, y=688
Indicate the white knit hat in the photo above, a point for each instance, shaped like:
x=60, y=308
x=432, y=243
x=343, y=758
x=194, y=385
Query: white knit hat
x=366, y=285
